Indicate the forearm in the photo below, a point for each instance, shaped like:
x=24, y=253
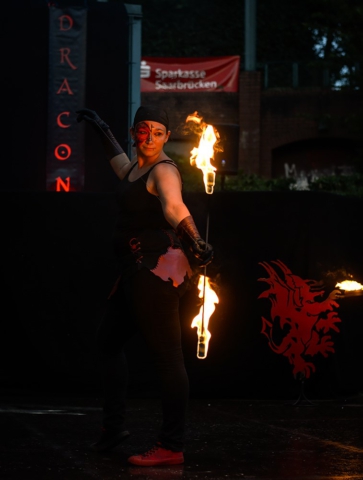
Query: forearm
x=111, y=146
x=175, y=214
x=113, y=150
x=187, y=231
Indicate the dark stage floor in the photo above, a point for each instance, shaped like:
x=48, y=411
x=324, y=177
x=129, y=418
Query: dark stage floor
x=45, y=437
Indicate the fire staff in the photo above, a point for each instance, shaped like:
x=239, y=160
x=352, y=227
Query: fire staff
x=154, y=229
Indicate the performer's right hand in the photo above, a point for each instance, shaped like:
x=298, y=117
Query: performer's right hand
x=91, y=117
x=188, y=232
x=111, y=145
x=203, y=252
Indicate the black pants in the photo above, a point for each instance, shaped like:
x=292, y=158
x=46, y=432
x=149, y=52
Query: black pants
x=145, y=303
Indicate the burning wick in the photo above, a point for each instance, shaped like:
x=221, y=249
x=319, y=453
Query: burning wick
x=350, y=287
x=209, y=181
x=201, y=155
x=201, y=321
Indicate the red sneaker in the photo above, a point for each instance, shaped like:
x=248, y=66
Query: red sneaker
x=157, y=456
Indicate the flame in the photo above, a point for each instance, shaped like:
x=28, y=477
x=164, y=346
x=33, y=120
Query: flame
x=194, y=117
x=349, y=285
x=201, y=155
x=201, y=321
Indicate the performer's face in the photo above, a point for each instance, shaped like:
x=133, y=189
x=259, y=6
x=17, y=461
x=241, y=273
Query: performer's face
x=150, y=136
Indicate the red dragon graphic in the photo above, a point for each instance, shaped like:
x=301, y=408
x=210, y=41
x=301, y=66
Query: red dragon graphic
x=295, y=313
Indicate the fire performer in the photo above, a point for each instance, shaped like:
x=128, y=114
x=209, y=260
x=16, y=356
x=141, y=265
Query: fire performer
x=153, y=230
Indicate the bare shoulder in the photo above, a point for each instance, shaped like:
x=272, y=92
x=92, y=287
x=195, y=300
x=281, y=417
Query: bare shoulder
x=166, y=171
x=165, y=176
x=166, y=166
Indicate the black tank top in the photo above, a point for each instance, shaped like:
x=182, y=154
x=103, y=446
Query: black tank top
x=141, y=232
x=137, y=208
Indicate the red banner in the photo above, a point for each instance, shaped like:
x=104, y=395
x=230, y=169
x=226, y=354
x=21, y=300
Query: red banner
x=208, y=74
x=67, y=58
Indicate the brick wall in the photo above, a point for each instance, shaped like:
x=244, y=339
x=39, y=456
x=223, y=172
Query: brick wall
x=269, y=121
x=249, y=121
x=306, y=120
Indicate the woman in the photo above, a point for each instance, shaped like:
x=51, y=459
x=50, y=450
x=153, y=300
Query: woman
x=152, y=230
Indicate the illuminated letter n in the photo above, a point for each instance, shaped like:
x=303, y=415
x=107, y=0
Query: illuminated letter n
x=60, y=185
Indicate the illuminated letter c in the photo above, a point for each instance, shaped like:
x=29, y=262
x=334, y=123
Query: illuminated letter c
x=59, y=121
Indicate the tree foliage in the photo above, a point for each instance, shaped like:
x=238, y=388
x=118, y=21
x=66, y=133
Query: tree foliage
x=336, y=28
x=185, y=28
x=323, y=31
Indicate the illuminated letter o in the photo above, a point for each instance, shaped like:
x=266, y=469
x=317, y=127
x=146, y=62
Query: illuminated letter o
x=62, y=151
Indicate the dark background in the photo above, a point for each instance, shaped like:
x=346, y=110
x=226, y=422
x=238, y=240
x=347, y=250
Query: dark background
x=58, y=269
x=25, y=87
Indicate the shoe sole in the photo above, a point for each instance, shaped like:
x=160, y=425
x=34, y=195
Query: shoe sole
x=151, y=463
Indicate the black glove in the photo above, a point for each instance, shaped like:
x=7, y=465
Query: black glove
x=188, y=232
x=110, y=144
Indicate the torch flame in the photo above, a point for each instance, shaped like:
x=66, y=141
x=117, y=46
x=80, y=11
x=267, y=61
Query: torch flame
x=201, y=155
x=201, y=321
x=349, y=285
x=194, y=117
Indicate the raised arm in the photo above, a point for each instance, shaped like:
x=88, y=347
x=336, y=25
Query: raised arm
x=113, y=150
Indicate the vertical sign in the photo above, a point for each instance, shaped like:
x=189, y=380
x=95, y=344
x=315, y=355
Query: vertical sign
x=67, y=65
